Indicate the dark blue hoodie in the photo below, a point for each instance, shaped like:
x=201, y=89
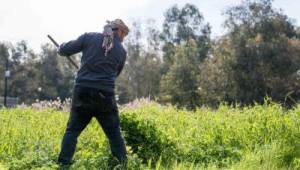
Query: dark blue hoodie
x=97, y=70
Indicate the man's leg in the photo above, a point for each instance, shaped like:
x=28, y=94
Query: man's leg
x=110, y=123
x=79, y=119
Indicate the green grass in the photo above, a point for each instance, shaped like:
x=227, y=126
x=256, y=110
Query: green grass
x=160, y=137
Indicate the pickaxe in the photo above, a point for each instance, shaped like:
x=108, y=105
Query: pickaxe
x=57, y=46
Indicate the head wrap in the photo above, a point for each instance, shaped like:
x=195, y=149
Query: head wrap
x=109, y=34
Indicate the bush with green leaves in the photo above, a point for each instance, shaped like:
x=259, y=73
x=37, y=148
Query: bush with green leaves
x=145, y=140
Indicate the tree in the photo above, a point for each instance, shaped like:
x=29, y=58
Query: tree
x=24, y=74
x=186, y=45
x=259, y=56
x=180, y=85
x=216, y=82
x=43, y=76
x=3, y=55
x=179, y=26
x=141, y=75
x=57, y=75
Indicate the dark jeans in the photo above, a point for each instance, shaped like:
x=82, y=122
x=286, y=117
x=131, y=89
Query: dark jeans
x=86, y=104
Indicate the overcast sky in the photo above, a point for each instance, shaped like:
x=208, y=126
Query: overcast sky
x=32, y=20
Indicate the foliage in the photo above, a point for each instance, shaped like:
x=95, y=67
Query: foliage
x=264, y=43
x=141, y=75
x=186, y=44
x=160, y=137
x=145, y=140
x=179, y=63
x=179, y=86
x=258, y=57
x=224, y=136
x=30, y=139
x=43, y=76
x=181, y=25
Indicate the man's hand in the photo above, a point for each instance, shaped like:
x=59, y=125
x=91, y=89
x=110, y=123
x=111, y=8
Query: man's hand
x=58, y=51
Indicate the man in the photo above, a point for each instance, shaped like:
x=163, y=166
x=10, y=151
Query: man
x=103, y=58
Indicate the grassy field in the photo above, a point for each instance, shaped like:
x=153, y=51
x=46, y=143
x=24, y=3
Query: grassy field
x=159, y=137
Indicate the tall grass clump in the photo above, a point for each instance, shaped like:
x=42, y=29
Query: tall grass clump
x=228, y=135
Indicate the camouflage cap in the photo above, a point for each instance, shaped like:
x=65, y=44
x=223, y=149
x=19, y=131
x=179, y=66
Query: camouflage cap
x=118, y=23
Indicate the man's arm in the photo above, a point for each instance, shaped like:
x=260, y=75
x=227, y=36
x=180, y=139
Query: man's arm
x=121, y=66
x=72, y=47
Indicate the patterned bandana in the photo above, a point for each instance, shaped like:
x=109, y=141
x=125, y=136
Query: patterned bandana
x=109, y=34
x=108, y=38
